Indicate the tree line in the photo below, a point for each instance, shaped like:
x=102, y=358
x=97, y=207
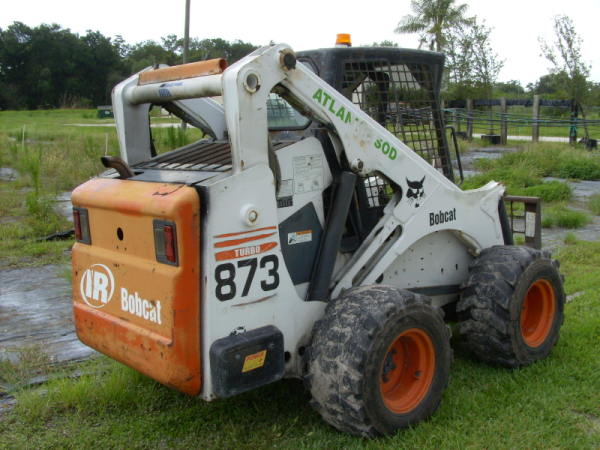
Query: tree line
x=49, y=66
x=472, y=65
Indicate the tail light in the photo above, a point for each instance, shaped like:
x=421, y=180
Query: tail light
x=82, y=225
x=165, y=242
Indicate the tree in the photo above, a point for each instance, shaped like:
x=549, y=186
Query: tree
x=48, y=66
x=553, y=85
x=384, y=43
x=565, y=56
x=433, y=19
x=512, y=88
x=486, y=63
x=149, y=53
x=472, y=65
x=219, y=48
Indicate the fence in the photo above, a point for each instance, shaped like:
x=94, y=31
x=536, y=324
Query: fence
x=491, y=118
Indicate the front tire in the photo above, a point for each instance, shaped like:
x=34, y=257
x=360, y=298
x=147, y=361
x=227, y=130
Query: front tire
x=379, y=361
x=511, y=309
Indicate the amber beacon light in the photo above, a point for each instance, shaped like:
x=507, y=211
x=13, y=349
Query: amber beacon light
x=343, y=40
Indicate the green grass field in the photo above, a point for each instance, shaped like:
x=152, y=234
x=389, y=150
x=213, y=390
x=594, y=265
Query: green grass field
x=552, y=404
x=52, y=155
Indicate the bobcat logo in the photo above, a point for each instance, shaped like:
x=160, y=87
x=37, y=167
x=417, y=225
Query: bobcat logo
x=415, y=191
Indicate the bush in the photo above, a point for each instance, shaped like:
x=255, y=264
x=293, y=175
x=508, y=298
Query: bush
x=548, y=160
x=521, y=181
x=549, y=191
x=561, y=216
x=571, y=239
x=580, y=168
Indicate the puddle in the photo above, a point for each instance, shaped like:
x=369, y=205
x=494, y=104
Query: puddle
x=582, y=190
x=8, y=174
x=552, y=238
x=35, y=309
x=6, y=404
x=468, y=159
x=64, y=206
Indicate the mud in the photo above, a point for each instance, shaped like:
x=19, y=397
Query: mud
x=552, y=238
x=8, y=174
x=35, y=309
x=64, y=206
x=468, y=159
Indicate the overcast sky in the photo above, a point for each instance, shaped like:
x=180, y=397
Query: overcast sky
x=307, y=24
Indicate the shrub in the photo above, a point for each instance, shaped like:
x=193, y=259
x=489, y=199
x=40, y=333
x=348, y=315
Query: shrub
x=549, y=191
x=561, y=216
x=571, y=239
x=580, y=168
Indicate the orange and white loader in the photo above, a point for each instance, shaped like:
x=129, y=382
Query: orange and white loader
x=316, y=232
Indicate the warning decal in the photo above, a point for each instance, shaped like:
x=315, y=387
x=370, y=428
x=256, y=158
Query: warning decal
x=254, y=361
x=298, y=237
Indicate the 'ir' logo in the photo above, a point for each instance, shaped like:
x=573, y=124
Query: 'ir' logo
x=97, y=285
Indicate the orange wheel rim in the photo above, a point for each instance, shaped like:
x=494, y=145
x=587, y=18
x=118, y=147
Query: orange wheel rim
x=537, y=313
x=407, y=371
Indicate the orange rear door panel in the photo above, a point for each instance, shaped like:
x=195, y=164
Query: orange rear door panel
x=128, y=305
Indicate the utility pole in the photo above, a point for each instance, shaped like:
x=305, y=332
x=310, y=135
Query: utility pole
x=186, y=43
x=186, y=33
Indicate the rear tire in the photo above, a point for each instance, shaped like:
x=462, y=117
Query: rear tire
x=511, y=309
x=379, y=361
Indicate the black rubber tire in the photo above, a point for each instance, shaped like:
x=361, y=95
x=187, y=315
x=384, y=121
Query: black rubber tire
x=347, y=351
x=490, y=305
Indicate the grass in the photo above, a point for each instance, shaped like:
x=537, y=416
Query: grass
x=548, y=159
x=594, y=204
x=27, y=217
x=28, y=362
x=570, y=238
x=560, y=215
x=51, y=156
x=523, y=172
x=552, y=404
x=520, y=181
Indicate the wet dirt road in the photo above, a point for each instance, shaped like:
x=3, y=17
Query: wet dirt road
x=35, y=309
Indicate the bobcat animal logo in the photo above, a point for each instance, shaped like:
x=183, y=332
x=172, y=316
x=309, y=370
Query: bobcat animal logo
x=415, y=191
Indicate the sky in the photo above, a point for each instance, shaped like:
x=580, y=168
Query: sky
x=308, y=24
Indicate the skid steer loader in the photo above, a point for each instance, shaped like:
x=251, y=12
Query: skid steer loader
x=314, y=232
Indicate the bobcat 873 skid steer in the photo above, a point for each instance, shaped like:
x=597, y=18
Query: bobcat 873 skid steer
x=315, y=232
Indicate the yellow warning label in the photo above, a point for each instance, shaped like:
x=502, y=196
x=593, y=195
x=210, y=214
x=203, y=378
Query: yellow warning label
x=254, y=361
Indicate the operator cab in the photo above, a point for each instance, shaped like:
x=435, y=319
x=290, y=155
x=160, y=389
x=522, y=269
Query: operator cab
x=400, y=89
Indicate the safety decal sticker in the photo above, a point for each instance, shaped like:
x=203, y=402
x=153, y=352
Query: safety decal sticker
x=299, y=237
x=308, y=173
x=254, y=361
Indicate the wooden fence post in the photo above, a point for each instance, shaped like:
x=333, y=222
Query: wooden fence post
x=503, y=123
x=535, y=127
x=469, y=119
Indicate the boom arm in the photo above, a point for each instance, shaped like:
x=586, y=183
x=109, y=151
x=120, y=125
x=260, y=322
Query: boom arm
x=425, y=201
